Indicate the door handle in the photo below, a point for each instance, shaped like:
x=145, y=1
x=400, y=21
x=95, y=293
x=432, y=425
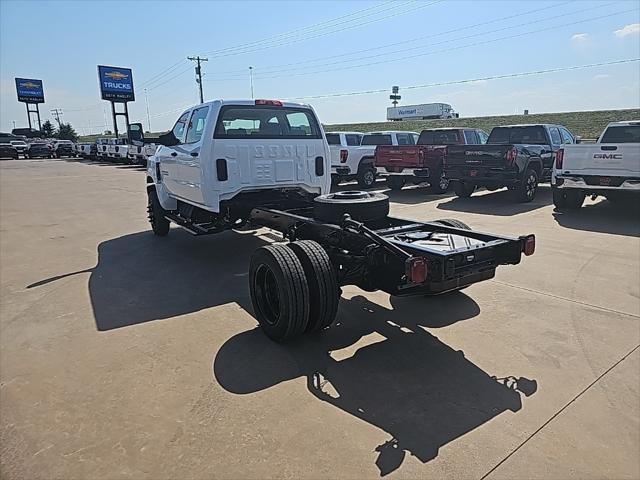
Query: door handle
x=194, y=154
x=174, y=154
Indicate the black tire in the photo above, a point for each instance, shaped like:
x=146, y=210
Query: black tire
x=279, y=292
x=438, y=182
x=395, y=182
x=361, y=206
x=335, y=180
x=324, y=292
x=528, y=186
x=159, y=224
x=463, y=189
x=567, y=199
x=452, y=222
x=366, y=175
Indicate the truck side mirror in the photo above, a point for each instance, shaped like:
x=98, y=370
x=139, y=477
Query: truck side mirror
x=578, y=139
x=136, y=134
x=168, y=139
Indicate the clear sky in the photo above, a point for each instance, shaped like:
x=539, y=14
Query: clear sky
x=311, y=48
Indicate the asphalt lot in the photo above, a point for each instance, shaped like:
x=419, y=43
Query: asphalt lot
x=129, y=356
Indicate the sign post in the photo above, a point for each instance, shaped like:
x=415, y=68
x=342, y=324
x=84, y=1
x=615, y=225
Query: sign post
x=30, y=92
x=116, y=86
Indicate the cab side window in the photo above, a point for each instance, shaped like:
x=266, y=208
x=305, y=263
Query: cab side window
x=471, y=137
x=482, y=136
x=403, y=139
x=353, y=140
x=180, y=127
x=566, y=136
x=196, y=125
x=555, y=136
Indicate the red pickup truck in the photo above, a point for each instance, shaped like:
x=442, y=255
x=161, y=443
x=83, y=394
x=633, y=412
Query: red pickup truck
x=423, y=162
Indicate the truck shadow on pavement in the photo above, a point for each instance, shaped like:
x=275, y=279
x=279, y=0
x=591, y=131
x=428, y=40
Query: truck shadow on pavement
x=140, y=277
x=403, y=380
x=500, y=202
x=603, y=217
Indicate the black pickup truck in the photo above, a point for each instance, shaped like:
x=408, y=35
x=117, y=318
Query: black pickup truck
x=515, y=156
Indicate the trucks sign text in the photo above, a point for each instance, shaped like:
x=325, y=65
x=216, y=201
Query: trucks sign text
x=116, y=84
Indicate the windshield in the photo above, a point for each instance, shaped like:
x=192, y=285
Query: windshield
x=257, y=121
x=376, y=139
x=622, y=134
x=438, y=137
x=533, y=135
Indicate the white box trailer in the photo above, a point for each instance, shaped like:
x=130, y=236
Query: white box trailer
x=421, y=112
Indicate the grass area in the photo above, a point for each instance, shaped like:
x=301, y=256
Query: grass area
x=588, y=125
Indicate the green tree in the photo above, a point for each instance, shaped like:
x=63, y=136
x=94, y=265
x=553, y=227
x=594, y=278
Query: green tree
x=47, y=129
x=66, y=132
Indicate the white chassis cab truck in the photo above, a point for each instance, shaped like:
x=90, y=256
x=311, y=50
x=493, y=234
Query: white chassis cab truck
x=266, y=163
x=610, y=167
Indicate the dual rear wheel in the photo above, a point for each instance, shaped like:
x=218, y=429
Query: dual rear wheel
x=293, y=289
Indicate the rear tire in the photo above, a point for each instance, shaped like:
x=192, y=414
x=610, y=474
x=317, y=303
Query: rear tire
x=395, y=183
x=528, y=186
x=324, y=293
x=159, y=224
x=361, y=206
x=279, y=292
x=567, y=199
x=463, y=189
x=366, y=176
x=452, y=222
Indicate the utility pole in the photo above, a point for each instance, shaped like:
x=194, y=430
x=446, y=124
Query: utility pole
x=146, y=101
x=57, y=112
x=251, y=80
x=199, y=59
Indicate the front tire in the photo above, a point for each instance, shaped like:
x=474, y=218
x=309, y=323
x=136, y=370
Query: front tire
x=527, y=188
x=440, y=182
x=395, y=183
x=279, y=292
x=564, y=199
x=463, y=189
x=159, y=224
x=366, y=176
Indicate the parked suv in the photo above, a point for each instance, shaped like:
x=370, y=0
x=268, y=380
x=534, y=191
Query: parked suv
x=63, y=148
x=21, y=146
x=40, y=149
x=7, y=150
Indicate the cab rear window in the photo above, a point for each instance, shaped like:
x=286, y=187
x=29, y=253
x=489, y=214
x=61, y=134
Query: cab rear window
x=264, y=121
x=622, y=134
x=438, y=137
x=376, y=139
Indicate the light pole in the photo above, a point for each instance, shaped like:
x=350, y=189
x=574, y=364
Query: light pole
x=251, y=80
x=146, y=100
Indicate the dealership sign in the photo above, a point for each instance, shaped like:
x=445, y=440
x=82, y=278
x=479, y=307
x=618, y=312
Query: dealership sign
x=29, y=90
x=116, y=84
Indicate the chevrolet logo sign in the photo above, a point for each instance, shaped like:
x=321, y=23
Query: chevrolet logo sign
x=30, y=85
x=116, y=75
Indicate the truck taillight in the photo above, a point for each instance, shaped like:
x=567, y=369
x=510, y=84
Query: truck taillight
x=273, y=103
x=416, y=269
x=511, y=156
x=529, y=245
x=559, y=159
x=344, y=154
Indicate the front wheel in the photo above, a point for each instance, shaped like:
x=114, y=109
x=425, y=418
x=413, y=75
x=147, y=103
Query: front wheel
x=159, y=224
x=440, y=183
x=564, y=199
x=527, y=188
x=464, y=189
x=366, y=176
x=395, y=183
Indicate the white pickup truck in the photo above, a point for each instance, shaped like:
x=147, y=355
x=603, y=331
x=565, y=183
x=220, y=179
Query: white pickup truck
x=117, y=149
x=610, y=168
x=341, y=146
x=361, y=160
x=266, y=163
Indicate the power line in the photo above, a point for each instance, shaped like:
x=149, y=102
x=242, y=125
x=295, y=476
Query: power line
x=470, y=80
x=458, y=47
x=261, y=70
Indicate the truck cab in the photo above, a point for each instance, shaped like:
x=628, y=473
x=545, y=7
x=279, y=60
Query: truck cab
x=226, y=156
